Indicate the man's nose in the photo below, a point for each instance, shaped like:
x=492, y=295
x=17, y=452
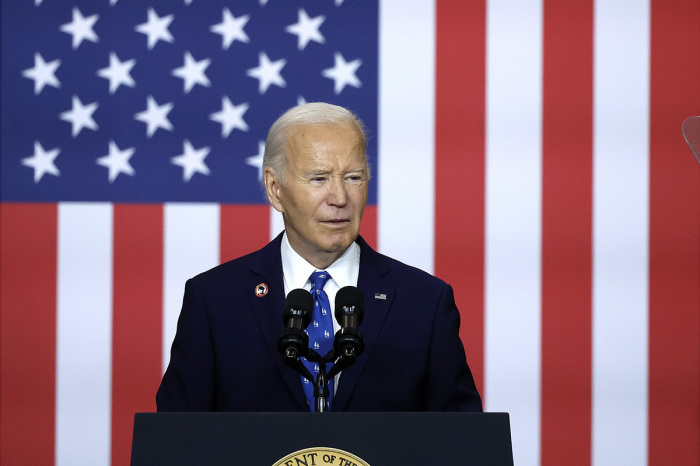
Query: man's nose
x=338, y=194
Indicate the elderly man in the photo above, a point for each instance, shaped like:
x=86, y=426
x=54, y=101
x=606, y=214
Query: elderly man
x=225, y=356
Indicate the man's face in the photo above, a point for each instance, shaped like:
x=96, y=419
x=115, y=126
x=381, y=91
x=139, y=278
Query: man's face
x=324, y=191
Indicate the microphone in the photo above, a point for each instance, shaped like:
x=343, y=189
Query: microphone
x=294, y=342
x=349, y=312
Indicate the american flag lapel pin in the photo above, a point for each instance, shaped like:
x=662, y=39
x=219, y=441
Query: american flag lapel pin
x=380, y=296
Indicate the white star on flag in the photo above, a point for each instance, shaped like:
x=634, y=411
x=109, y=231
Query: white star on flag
x=257, y=159
x=80, y=116
x=192, y=72
x=156, y=28
x=81, y=28
x=343, y=73
x=43, y=73
x=230, y=117
x=117, y=161
x=118, y=73
x=231, y=29
x=268, y=72
x=155, y=116
x=42, y=162
x=191, y=160
x=306, y=29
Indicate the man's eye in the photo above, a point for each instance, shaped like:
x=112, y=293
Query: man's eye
x=318, y=178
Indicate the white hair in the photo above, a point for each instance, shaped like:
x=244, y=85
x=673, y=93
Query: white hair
x=311, y=114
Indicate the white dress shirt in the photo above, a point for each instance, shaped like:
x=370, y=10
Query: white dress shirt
x=344, y=272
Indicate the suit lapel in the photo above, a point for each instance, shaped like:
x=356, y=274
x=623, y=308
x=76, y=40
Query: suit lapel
x=378, y=294
x=267, y=269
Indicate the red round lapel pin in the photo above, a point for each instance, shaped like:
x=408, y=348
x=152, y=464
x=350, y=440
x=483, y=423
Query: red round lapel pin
x=261, y=290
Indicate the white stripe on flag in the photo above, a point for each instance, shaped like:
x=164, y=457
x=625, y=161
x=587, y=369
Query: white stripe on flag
x=620, y=232
x=406, y=132
x=191, y=246
x=513, y=219
x=84, y=334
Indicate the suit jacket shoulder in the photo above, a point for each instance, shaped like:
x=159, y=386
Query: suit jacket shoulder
x=414, y=358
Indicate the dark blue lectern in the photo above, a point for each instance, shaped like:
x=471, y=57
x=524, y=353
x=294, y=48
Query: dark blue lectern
x=379, y=439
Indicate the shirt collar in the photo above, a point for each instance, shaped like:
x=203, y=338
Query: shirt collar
x=296, y=270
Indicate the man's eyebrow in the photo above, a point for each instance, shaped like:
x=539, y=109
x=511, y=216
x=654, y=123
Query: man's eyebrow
x=357, y=170
x=322, y=171
x=318, y=171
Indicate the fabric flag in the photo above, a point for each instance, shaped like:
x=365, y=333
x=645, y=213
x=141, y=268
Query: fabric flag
x=527, y=152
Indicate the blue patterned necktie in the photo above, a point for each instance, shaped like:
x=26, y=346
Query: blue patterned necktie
x=320, y=332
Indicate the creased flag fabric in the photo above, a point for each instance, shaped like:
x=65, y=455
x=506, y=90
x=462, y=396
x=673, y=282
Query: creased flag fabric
x=527, y=152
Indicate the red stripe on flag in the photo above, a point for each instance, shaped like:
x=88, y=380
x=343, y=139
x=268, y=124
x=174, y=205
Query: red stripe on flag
x=368, y=227
x=244, y=229
x=27, y=333
x=137, y=319
x=567, y=199
x=460, y=166
x=674, y=262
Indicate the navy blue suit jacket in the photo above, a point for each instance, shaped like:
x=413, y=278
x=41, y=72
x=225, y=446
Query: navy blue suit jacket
x=225, y=358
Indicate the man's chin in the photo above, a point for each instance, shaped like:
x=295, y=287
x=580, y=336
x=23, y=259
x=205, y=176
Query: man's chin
x=341, y=244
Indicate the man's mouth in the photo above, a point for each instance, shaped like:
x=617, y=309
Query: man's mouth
x=336, y=221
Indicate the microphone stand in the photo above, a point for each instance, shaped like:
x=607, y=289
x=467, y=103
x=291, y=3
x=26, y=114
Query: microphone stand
x=321, y=392
x=349, y=348
x=293, y=344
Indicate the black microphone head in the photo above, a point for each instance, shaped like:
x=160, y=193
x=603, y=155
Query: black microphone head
x=298, y=300
x=349, y=296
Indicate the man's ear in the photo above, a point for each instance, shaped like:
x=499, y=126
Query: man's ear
x=272, y=188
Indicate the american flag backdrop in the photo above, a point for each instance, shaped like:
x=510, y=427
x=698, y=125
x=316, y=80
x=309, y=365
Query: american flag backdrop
x=529, y=152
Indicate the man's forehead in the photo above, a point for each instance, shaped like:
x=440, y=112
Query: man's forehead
x=307, y=132
x=312, y=140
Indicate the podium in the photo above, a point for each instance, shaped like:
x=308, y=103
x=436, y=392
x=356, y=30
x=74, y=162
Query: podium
x=378, y=439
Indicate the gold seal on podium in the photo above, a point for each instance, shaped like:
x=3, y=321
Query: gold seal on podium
x=321, y=456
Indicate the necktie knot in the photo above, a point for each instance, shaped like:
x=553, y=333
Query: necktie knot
x=318, y=280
